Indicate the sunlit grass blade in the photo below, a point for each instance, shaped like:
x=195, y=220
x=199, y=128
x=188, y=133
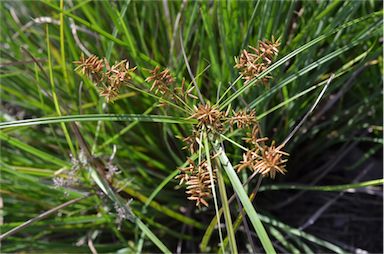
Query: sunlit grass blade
x=162, y=209
x=281, y=61
x=97, y=117
x=54, y=95
x=208, y=157
x=92, y=26
x=227, y=213
x=238, y=188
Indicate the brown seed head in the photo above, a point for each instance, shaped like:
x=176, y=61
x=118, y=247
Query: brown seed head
x=186, y=172
x=208, y=116
x=251, y=63
x=119, y=74
x=192, y=141
x=110, y=79
x=91, y=67
x=248, y=161
x=162, y=80
x=254, y=137
x=243, y=119
x=198, y=181
x=271, y=161
x=199, y=187
x=266, y=160
x=110, y=93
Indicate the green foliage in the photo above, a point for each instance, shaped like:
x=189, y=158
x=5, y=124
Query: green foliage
x=42, y=97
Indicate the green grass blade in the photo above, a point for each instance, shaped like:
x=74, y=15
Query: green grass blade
x=54, y=95
x=62, y=48
x=152, y=236
x=289, y=56
x=97, y=117
x=208, y=157
x=91, y=26
x=227, y=213
x=165, y=210
x=250, y=210
x=300, y=233
x=160, y=187
x=341, y=187
x=43, y=155
x=104, y=186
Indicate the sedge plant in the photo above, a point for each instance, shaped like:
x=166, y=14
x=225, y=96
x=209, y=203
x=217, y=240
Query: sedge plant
x=142, y=126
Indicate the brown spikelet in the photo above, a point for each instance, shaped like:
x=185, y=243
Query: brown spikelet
x=208, y=116
x=91, y=67
x=110, y=79
x=253, y=137
x=251, y=63
x=119, y=74
x=271, y=161
x=198, y=181
x=162, y=80
x=110, y=93
x=199, y=185
x=249, y=158
x=243, y=119
x=192, y=141
x=186, y=172
x=263, y=159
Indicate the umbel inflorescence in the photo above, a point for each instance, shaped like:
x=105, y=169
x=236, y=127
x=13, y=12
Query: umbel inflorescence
x=198, y=176
x=261, y=158
x=252, y=63
x=108, y=79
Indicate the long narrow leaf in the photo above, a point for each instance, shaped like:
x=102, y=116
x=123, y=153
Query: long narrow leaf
x=117, y=200
x=97, y=117
x=249, y=209
x=290, y=55
x=341, y=187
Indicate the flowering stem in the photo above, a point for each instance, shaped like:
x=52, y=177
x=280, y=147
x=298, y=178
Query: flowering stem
x=228, y=89
x=157, y=97
x=227, y=213
x=206, y=146
x=238, y=188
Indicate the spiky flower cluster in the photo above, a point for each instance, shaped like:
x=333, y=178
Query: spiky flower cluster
x=251, y=63
x=266, y=160
x=108, y=79
x=211, y=122
x=164, y=83
x=215, y=121
x=208, y=116
x=243, y=119
x=197, y=177
x=91, y=67
x=263, y=159
x=198, y=181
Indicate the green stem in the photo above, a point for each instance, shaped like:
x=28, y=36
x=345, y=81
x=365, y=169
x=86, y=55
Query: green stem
x=227, y=213
x=207, y=154
x=54, y=95
x=250, y=210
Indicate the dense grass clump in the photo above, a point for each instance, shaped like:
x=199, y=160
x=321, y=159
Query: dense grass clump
x=189, y=127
